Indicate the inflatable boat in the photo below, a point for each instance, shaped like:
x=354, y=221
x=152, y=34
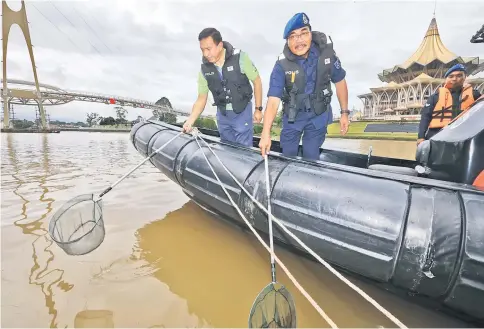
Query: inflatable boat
x=414, y=227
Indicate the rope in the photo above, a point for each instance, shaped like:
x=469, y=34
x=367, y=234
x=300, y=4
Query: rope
x=291, y=277
x=329, y=267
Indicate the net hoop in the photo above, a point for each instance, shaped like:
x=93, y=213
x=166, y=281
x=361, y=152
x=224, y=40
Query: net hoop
x=279, y=288
x=69, y=246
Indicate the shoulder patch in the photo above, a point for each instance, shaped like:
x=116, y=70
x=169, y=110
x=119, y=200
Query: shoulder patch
x=281, y=56
x=236, y=51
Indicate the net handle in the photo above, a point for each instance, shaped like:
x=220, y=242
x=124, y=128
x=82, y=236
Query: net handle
x=138, y=165
x=271, y=238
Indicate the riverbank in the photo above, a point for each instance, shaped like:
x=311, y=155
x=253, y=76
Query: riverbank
x=369, y=130
x=359, y=130
x=374, y=130
x=58, y=130
x=31, y=131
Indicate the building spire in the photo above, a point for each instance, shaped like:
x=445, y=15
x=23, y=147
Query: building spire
x=431, y=48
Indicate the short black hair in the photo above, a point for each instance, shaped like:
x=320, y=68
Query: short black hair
x=210, y=32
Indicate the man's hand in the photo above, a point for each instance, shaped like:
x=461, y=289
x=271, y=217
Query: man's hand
x=257, y=116
x=196, y=111
x=187, y=126
x=420, y=140
x=344, y=124
x=270, y=114
x=265, y=144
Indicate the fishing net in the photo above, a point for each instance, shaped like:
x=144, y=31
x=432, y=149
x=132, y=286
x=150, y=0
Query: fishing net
x=78, y=226
x=273, y=308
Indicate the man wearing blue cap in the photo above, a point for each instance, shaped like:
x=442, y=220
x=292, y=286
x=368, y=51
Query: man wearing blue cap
x=302, y=78
x=446, y=103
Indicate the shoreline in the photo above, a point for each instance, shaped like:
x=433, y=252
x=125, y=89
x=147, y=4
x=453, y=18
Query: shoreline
x=367, y=136
x=372, y=137
x=51, y=131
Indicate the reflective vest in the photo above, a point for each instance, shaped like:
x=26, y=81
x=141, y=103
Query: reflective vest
x=294, y=98
x=234, y=87
x=442, y=113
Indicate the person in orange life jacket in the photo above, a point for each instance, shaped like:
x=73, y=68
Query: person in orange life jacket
x=226, y=72
x=302, y=78
x=446, y=103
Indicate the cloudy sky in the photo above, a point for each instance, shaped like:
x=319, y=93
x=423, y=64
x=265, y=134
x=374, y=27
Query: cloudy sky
x=149, y=49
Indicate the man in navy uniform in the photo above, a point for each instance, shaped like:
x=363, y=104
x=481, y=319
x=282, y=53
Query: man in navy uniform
x=302, y=78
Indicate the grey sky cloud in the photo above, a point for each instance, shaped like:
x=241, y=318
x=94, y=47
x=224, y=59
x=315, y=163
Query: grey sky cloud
x=147, y=49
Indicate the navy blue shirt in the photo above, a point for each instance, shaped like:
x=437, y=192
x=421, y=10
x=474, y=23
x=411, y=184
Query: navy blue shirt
x=309, y=64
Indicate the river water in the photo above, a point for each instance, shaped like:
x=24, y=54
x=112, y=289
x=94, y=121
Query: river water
x=164, y=261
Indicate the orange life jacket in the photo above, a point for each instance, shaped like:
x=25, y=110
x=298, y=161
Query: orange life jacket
x=442, y=113
x=479, y=181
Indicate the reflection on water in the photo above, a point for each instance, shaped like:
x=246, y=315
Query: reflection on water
x=164, y=262
x=94, y=319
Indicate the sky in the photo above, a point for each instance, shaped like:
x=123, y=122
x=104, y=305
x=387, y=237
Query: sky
x=149, y=49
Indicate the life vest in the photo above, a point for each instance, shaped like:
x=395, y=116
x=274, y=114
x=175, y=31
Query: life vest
x=234, y=87
x=294, y=98
x=479, y=181
x=442, y=113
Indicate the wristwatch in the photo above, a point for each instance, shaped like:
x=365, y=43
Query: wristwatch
x=345, y=111
x=260, y=108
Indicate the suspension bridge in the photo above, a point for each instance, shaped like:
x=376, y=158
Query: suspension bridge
x=41, y=94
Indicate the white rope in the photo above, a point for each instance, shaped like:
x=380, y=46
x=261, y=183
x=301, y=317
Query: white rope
x=298, y=286
x=329, y=267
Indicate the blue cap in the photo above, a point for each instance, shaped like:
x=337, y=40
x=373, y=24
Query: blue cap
x=456, y=67
x=296, y=22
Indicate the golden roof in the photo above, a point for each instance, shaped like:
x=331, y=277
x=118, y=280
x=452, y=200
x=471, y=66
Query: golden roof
x=430, y=49
x=431, y=57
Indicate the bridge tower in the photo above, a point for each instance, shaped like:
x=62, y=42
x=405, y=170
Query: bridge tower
x=9, y=18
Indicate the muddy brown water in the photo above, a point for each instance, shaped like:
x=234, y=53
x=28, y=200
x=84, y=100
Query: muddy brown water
x=164, y=261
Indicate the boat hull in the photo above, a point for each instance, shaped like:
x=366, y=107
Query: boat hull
x=417, y=235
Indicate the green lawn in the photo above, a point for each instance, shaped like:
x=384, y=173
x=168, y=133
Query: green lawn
x=357, y=131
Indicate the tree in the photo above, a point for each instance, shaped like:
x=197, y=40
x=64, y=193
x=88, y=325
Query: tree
x=257, y=129
x=278, y=119
x=109, y=121
x=120, y=114
x=168, y=117
x=91, y=118
x=206, y=123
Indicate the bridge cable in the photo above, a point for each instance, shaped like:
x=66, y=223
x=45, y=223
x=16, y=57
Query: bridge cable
x=97, y=22
x=166, y=109
x=73, y=7
x=309, y=250
x=75, y=27
x=57, y=27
